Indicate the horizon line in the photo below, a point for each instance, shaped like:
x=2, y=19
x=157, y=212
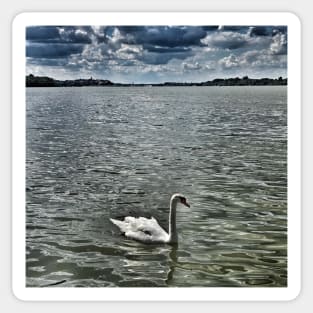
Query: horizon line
x=91, y=78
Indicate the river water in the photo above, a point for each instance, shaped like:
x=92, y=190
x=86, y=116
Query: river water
x=100, y=152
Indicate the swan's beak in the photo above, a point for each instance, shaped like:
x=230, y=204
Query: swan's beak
x=187, y=204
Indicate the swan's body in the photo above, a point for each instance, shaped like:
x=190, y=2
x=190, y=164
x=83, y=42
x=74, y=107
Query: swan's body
x=149, y=230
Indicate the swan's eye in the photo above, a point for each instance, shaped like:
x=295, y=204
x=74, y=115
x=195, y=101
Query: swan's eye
x=183, y=200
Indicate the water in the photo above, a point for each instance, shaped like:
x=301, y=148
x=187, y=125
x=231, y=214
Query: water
x=95, y=153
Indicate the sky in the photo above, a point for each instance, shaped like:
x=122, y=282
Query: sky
x=156, y=54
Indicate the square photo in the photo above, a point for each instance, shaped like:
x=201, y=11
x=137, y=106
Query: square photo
x=156, y=155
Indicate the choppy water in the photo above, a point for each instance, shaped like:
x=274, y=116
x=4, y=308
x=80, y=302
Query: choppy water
x=95, y=153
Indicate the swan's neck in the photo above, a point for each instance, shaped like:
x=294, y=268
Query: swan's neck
x=172, y=222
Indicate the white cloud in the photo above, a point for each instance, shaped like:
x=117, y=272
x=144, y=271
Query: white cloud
x=230, y=61
x=226, y=40
x=233, y=40
x=253, y=59
x=279, y=44
x=128, y=52
x=116, y=36
x=191, y=66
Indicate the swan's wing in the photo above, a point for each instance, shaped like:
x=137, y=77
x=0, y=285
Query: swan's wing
x=151, y=227
x=142, y=229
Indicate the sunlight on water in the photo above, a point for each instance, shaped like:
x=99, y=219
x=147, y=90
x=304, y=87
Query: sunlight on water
x=96, y=153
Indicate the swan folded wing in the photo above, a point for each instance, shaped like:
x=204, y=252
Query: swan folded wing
x=142, y=229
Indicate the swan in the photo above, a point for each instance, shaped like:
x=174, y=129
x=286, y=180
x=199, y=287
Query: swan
x=149, y=230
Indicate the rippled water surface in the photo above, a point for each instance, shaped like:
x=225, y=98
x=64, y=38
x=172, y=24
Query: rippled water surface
x=95, y=153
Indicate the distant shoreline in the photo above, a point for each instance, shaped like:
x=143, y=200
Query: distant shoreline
x=44, y=81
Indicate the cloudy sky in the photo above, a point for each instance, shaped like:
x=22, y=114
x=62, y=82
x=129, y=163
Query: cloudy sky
x=156, y=53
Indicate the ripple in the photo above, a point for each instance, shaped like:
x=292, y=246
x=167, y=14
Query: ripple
x=93, y=154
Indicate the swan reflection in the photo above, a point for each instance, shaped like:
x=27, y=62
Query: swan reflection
x=172, y=264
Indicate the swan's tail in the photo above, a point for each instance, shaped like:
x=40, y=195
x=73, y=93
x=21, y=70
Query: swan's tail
x=124, y=227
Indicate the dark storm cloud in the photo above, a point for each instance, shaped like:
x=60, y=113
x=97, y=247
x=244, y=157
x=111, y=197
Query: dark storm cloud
x=55, y=42
x=131, y=29
x=267, y=30
x=59, y=34
x=42, y=33
x=279, y=29
x=163, y=36
x=260, y=31
x=239, y=29
x=209, y=28
x=52, y=51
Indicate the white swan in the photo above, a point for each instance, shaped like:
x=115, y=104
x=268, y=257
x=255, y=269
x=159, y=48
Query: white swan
x=148, y=230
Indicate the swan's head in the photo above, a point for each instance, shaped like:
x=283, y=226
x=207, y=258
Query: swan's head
x=180, y=199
